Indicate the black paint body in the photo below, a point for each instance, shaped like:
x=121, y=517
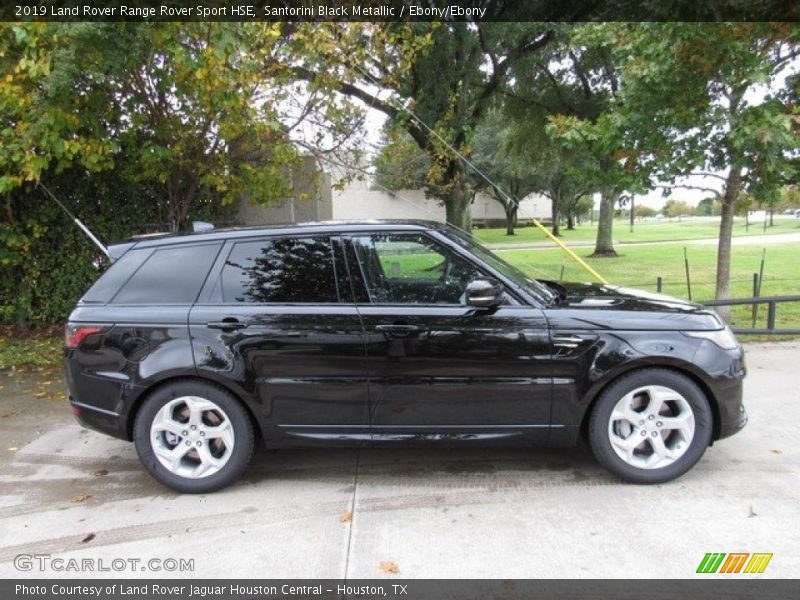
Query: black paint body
x=352, y=371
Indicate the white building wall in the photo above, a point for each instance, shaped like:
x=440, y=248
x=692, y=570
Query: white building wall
x=357, y=201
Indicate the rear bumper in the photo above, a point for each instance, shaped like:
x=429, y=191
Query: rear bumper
x=99, y=419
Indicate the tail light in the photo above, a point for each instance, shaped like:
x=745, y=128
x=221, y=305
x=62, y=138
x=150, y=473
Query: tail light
x=76, y=333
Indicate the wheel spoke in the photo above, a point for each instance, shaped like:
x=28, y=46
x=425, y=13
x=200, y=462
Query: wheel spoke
x=655, y=402
x=626, y=413
x=207, y=461
x=682, y=422
x=222, y=432
x=167, y=423
x=627, y=445
x=197, y=406
x=172, y=456
x=660, y=451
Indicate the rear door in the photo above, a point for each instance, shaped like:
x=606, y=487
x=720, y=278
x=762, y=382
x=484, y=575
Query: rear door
x=439, y=369
x=278, y=319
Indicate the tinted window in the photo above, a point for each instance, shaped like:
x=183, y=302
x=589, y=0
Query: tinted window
x=280, y=270
x=172, y=275
x=411, y=269
x=116, y=275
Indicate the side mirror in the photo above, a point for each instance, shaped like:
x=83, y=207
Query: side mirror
x=485, y=292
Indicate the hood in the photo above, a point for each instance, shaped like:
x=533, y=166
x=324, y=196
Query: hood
x=618, y=307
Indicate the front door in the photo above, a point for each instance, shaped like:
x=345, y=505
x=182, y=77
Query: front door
x=279, y=319
x=438, y=369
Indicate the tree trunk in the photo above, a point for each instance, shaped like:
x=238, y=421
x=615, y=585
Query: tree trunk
x=457, y=204
x=732, y=185
x=511, y=217
x=556, y=216
x=570, y=221
x=604, y=246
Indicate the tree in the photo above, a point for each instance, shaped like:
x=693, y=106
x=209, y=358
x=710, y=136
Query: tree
x=695, y=82
x=400, y=164
x=642, y=211
x=436, y=81
x=199, y=105
x=511, y=178
x=676, y=208
x=705, y=207
x=575, y=89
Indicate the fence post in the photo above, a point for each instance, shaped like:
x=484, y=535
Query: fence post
x=659, y=283
x=755, y=295
x=688, y=279
x=771, y=315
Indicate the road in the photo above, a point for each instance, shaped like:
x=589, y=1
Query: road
x=432, y=513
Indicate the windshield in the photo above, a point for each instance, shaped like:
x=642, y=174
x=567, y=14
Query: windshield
x=540, y=291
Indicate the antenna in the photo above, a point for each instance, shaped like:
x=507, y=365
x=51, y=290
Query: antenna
x=77, y=221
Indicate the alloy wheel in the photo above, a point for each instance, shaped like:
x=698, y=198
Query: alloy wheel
x=651, y=427
x=192, y=437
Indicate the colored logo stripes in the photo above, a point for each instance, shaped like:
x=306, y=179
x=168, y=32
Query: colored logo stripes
x=734, y=562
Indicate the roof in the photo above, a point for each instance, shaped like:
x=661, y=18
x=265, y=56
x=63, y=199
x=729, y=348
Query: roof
x=158, y=239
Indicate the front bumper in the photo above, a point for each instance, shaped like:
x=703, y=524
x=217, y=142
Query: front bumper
x=728, y=381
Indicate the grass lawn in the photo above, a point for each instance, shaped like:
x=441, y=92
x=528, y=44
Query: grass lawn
x=37, y=351
x=639, y=266
x=646, y=231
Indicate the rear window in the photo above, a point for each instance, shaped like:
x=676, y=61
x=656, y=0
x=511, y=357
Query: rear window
x=171, y=275
x=116, y=275
x=280, y=270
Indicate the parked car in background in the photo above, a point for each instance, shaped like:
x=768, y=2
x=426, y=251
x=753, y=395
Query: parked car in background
x=384, y=333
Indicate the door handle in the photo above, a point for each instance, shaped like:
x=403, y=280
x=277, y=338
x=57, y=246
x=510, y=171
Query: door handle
x=568, y=341
x=227, y=324
x=397, y=329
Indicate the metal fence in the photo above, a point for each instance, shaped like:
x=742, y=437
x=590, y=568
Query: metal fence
x=772, y=303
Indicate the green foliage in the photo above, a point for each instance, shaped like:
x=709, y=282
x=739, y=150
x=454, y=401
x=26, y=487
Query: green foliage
x=47, y=262
x=136, y=126
x=450, y=78
x=41, y=351
x=695, y=86
x=643, y=211
x=677, y=208
x=400, y=164
x=706, y=208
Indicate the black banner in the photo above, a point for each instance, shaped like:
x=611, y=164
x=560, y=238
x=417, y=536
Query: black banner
x=399, y=10
x=735, y=587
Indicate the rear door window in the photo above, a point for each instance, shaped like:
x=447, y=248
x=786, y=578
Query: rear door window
x=171, y=275
x=281, y=270
x=115, y=277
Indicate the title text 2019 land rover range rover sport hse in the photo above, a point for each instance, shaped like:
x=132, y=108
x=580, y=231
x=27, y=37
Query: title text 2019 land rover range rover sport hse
x=386, y=333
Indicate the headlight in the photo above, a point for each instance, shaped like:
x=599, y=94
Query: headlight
x=723, y=338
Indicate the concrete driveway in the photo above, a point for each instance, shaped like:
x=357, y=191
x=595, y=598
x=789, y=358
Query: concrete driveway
x=434, y=513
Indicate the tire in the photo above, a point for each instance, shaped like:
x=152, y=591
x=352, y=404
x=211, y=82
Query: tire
x=193, y=436
x=665, y=411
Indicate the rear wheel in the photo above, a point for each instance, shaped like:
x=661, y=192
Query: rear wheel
x=193, y=437
x=650, y=426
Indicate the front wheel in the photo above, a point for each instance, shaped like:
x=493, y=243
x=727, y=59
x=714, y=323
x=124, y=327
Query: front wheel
x=650, y=426
x=193, y=437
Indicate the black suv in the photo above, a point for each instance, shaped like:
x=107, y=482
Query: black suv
x=383, y=333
